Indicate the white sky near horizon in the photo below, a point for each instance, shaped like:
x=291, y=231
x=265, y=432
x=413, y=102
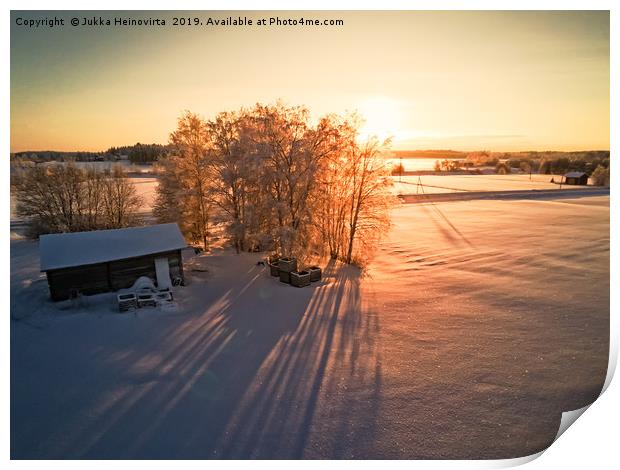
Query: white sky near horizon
x=459, y=80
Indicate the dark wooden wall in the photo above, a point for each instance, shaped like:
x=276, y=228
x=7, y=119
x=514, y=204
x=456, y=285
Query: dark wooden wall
x=582, y=180
x=112, y=276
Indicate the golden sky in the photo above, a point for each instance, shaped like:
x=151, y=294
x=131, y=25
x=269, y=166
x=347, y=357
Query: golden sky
x=459, y=80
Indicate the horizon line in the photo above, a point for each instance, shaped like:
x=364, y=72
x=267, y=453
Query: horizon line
x=13, y=152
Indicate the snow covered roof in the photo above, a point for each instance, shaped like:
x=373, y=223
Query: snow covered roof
x=64, y=250
x=574, y=174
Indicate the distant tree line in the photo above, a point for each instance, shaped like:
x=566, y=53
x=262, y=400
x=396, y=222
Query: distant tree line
x=486, y=155
x=529, y=162
x=564, y=164
x=138, y=154
x=40, y=156
x=141, y=153
x=276, y=181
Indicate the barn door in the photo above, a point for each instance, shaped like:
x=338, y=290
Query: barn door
x=162, y=270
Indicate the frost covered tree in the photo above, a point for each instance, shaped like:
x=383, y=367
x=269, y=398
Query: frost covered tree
x=184, y=193
x=119, y=201
x=235, y=168
x=369, y=199
x=600, y=176
x=502, y=168
x=65, y=198
x=292, y=153
x=356, y=199
x=168, y=201
x=49, y=197
x=276, y=179
x=330, y=202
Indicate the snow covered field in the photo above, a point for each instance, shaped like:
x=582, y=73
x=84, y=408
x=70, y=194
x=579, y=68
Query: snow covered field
x=475, y=326
x=146, y=188
x=461, y=183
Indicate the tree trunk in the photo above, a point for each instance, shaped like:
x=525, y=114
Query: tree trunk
x=350, y=250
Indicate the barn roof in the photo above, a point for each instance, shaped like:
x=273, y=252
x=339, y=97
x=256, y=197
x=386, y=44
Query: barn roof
x=574, y=174
x=65, y=250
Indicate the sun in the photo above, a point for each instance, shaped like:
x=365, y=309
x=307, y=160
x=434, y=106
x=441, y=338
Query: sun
x=383, y=117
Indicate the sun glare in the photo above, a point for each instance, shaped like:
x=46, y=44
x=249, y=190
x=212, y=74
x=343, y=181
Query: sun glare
x=383, y=117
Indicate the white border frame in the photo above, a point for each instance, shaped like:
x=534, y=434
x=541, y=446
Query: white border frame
x=590, y=443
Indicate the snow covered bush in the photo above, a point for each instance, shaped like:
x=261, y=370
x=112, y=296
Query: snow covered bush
x=600, y=176
x=502, y=168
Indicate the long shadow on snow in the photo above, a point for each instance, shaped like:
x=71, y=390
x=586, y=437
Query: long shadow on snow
x=245, y=380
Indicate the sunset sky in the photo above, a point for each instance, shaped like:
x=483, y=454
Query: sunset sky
x=459, y=80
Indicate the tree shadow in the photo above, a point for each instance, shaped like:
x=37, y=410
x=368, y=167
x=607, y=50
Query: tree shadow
x=328, y=365
x=448, y=234
x=252, y=376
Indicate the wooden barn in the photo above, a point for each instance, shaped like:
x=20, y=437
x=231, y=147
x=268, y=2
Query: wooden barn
x=86, y=263
x=576, y=178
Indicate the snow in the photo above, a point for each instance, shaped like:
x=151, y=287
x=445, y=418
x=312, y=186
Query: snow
x=146, y=188
x=461, y=183
x=64, y=250
x=475, y=326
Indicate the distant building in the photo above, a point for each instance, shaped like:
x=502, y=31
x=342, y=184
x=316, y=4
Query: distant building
x=86, y=263
x=576, y=177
